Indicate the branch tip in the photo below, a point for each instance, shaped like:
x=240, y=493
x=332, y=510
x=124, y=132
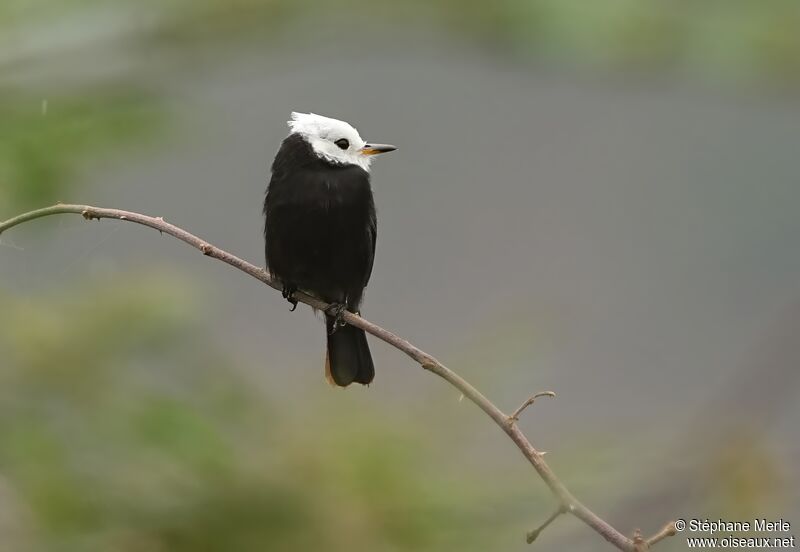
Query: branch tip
x=532, y=536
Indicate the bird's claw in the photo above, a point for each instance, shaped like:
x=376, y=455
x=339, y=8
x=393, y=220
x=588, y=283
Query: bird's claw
x=336, y=311
x=288, y=294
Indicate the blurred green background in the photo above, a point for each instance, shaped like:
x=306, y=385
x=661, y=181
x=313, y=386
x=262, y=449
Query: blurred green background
x=598, y=198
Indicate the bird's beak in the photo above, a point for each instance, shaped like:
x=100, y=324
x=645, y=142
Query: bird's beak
x=374, y=149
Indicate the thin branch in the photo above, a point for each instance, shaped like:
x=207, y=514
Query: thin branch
x=533, y=535
x=515, y=416
x=566, y=500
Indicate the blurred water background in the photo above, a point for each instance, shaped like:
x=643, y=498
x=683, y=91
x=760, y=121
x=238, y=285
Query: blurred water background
x=595, y=198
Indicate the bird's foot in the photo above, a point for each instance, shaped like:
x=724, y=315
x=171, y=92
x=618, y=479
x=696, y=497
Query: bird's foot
x=336, y=311
x=288, y=294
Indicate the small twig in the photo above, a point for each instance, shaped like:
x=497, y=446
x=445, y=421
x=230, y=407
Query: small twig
x=533, y=535
x=515, y=416
x=667, y=531
x=536, y=458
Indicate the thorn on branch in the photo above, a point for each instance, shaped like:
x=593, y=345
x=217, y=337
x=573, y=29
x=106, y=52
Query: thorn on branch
x=639, y=544
x=515, y=416
x=533, y=535
x=88, y=214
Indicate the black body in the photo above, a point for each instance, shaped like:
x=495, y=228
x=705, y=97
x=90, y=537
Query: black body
x=320, y=237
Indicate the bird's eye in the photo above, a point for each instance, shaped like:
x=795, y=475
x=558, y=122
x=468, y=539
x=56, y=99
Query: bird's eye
x=342, y=143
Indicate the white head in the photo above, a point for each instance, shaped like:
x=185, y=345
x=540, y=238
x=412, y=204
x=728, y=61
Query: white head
x=334, y=140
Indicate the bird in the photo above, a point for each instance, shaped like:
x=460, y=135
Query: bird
x=320, y=231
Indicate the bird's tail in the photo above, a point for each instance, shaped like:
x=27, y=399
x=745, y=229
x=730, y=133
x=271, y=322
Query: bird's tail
x=348, y=357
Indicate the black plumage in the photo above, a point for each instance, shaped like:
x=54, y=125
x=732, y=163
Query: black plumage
x=320, y=237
